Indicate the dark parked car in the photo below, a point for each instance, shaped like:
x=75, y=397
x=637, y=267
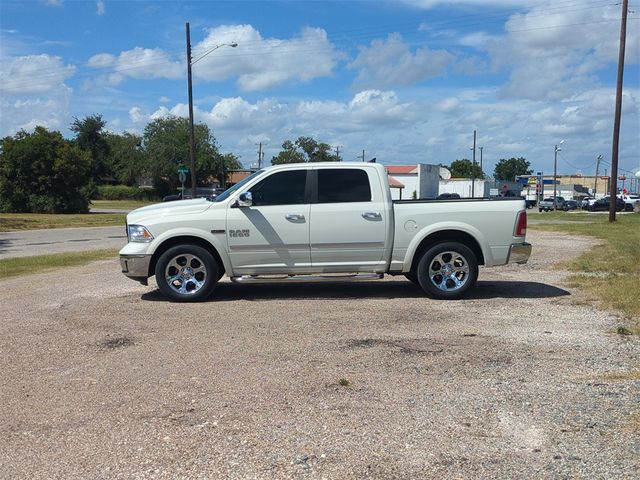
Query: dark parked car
x=570, y=205
x=603, y=205
x=201, y=192
x=447, y=196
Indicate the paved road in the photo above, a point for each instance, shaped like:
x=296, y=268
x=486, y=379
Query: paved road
x=41, y=242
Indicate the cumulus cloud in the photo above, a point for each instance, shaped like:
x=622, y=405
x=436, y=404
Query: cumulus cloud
x=263, y=63
x=138, y=63
x=33, y=74
x=100, y=8
x=553, y=52
x=391, y=62
x=50, y=111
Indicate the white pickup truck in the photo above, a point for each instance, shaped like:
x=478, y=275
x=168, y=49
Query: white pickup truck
x=321, y=221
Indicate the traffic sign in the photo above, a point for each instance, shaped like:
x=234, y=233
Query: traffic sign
x=182, y=176
x=183, y=169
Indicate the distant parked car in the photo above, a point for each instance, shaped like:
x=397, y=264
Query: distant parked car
x=586, y=201
x=570, y=205
x=201, y=192
x=603, y=204
x=630, y=201
x=547, y=204
x=447, y=196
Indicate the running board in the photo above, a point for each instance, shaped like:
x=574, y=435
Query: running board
x=307, y=278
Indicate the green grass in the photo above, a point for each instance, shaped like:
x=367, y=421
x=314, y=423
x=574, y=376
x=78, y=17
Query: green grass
x=13, y=267
x=32, y=221
x=609, y=272
x=120, y=204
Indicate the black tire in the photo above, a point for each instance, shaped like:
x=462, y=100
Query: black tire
x=186, y=273
x=447, y=270
x=411, y=276
x=540, y=210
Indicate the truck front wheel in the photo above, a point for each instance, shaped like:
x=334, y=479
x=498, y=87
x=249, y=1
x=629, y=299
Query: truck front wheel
x=447, y=270
x=186, y=273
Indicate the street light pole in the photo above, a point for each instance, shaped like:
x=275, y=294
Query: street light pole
x=473, y=167
x=555, y=172
x=192, y=146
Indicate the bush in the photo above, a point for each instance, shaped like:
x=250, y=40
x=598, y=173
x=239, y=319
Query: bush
x=41, y=172
x=124, y=192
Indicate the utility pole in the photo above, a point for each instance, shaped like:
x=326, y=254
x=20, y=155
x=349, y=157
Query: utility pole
x=337, y=153
x=555, y=173
x=613, y=189
x=363, y=155
x=481, y=159
x=192, y=147
x=260, y=156
x=595, y=182
x=473, y=168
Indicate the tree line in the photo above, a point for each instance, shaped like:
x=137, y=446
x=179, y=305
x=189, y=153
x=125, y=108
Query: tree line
x=43, y=172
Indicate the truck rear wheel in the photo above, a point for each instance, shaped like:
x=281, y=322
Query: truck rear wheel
x=447, y=270
x=186, y=273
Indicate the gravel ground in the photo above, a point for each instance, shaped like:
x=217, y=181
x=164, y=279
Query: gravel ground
x=102, y=378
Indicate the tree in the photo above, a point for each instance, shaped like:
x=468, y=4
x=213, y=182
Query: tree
x=126, y=158
x=226, y=162
x=166, y=142
x=305, y=149
x=91, y=138
x=41, y=172
x=465, y=168
x=509, y=169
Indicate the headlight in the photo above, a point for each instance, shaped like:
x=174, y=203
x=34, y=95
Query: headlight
x=138, y=233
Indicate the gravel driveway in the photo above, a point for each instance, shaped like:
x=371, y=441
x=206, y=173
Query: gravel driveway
x=102, y=378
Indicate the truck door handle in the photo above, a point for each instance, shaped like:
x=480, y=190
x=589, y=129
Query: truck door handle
x=295, y=217
x=371, y=216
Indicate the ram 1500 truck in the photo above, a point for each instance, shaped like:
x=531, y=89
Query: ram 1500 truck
x=321, y=221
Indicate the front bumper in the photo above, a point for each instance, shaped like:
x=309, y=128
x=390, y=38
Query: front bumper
x=519, y=252
x=135, y=266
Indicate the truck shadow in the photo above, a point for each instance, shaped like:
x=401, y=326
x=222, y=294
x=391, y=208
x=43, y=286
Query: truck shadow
x=227, y=291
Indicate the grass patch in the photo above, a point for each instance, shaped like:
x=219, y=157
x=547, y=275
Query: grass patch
x=13, y=267
x=343, y=382
x=34, y=221
x=120, y=204
x=609, y=272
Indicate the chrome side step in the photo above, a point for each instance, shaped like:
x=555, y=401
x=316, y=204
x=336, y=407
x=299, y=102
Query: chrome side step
x=329, y=277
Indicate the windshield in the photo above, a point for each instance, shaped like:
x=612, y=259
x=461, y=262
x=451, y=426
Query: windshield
x=224, y=195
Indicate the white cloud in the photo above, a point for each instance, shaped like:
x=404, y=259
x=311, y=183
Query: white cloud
x=554, y=51
x=391, y=62
x=50, y=111
x=139, y=63
x=263, y=63
x=100, y=8
x=33, y=74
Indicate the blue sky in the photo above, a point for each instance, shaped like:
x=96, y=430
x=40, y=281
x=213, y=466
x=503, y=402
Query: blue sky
x=406, y=81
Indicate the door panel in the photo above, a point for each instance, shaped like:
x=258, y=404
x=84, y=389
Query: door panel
x=348, y=224
x=272, y=235
x=268, y=239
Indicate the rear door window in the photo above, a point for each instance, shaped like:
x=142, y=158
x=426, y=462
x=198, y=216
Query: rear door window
x=339, y=185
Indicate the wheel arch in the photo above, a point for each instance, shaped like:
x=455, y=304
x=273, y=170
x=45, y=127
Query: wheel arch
x=181, y=240
x=443, y=236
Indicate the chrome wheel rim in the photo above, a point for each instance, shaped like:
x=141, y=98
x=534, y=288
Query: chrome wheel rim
x=449, y=271
x=185, y=274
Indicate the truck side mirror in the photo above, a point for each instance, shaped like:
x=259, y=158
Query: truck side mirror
x=245, y=199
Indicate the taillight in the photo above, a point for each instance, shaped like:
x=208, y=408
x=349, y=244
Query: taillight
x=521, y=224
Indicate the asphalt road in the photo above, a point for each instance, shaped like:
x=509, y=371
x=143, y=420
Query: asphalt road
x=101, y=377
x=28, y=243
